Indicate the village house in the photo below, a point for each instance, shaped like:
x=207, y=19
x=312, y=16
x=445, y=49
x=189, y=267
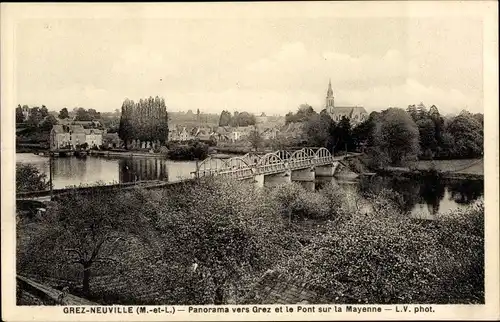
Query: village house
x=77, y=135
x=72, y=136
x=222, y=134
x=184, y=135
x=269, y=133
x=202, y=134
x=66, y=136
x=93, y=137
x=59, y=138
x=240, y=132
x=174, y=134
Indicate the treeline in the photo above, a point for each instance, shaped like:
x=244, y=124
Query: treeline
x=236, y=119
x=35, y=117
x=33, y=125
x=394, y=136
x=146, y=120
x=303, y=114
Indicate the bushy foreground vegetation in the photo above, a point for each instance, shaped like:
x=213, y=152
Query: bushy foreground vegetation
x=210, y=242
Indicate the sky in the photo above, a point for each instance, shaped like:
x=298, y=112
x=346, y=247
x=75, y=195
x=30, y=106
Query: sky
x=253, y=64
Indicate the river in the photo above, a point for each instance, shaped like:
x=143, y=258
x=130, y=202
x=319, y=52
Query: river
x=423, y=198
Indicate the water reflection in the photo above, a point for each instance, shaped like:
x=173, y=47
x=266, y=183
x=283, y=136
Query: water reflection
x=72, y=171
x=466, y=191
x=142, y=169
x=429, y=195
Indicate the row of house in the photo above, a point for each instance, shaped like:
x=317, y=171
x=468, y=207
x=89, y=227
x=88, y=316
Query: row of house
x=221, y=134
x=73, y=136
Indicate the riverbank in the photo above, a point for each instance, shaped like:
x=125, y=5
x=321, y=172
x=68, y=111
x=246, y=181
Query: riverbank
x=467, y=169
x=109, y=153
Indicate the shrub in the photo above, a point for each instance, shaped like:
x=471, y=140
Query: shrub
x=294, y=202
x=192, y=151
x=29, y=178
x=383, y=257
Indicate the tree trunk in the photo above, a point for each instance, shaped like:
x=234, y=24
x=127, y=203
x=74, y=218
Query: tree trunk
x=219, y=295
x=86, y=279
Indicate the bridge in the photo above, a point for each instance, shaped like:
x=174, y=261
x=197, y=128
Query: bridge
x=269, y=169
x=276, y=167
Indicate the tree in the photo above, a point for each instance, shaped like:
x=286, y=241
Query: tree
x=342, y=135
x=412, y=110
x=289, y=118
x=303, y=113
x=126, y=130
x=255, y=139
x=35, y=117
x=427, y=134
x=467, y=134
x=84, y=231
x=362, y=134
x=63, y=114
x=146, y=120
x=83, y=115
x=19, y=114
x=48, y=122
x=397, y=135
x=318, y=129
x=237, y=236
x=44, y=111
x=225, y=118
x=29, y=178
x=93, y=114
x=305, y=110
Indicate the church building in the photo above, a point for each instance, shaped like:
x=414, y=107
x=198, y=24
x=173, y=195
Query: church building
x=356, y=114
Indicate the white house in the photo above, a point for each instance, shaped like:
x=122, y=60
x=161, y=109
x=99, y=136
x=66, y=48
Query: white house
x=93, y=137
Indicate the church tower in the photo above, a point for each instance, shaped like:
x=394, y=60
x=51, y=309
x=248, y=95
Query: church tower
x=330, y=100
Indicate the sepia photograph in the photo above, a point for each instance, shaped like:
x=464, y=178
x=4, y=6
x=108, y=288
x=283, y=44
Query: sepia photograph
x=204, y=160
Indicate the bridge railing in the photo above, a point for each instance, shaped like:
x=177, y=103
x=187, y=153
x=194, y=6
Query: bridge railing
x=272, y=162
x=271, y=168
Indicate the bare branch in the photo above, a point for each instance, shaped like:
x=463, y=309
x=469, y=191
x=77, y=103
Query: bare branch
x=75, y=251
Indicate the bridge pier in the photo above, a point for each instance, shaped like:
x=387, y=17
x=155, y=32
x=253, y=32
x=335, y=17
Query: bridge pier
x=326, y=170
x=273, y=180
x=258, y=180
x=307, y=174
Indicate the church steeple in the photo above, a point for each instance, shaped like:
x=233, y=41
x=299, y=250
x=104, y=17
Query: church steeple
x=330, y=102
